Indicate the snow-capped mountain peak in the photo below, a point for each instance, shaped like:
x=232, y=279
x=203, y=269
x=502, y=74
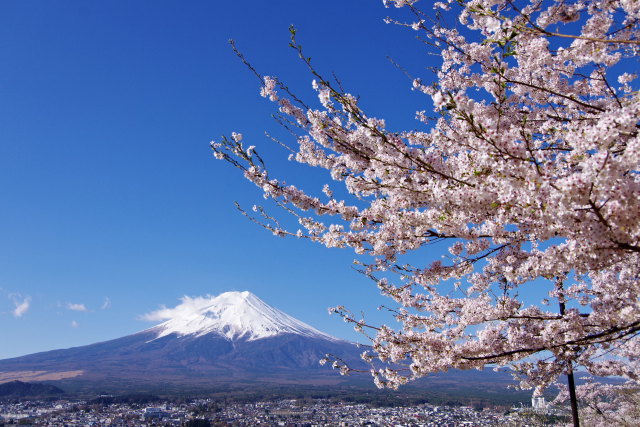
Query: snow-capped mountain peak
x=234, y=315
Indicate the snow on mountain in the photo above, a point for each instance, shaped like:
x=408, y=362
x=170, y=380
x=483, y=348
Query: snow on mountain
x=233, y=315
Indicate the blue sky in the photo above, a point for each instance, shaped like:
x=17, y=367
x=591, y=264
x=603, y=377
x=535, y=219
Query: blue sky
x=112, y=203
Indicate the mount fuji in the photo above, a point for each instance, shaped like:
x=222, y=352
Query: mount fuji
x=233, y=315
x=233, y=338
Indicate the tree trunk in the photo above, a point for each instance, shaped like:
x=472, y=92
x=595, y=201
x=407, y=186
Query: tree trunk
x=574, y=399
x=572, y=387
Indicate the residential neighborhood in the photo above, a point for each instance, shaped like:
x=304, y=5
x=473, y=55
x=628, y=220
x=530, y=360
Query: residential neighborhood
x=289, y=412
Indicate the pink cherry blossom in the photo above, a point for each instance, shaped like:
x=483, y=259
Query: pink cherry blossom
x=530, y=174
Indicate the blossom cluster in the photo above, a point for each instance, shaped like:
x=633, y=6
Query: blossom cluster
x=530, y=173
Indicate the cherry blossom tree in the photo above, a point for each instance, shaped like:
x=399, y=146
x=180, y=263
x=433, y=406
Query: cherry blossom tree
x=605, y=405
x=528, y=176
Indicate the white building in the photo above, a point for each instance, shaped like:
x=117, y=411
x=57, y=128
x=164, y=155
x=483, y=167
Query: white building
x=538, y=403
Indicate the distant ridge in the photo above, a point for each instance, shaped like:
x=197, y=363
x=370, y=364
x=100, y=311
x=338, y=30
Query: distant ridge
x=22, y=389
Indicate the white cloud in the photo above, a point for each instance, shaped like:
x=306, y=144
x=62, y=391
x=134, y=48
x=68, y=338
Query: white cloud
x=74, y=324
x=21, y=306
x=77, y=307
x=189, y=306
x=106, y=304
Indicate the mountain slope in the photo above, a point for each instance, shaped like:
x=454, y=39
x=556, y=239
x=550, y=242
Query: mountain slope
x=232, y=337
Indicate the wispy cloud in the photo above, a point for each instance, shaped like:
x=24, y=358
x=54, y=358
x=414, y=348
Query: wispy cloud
x=106, y=304
x=77, y=307
x=189, y=306
x=74, y=324
x=163, y=313
x=21, y=306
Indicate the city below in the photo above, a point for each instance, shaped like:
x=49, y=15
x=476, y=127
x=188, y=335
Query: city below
x=286, y=412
